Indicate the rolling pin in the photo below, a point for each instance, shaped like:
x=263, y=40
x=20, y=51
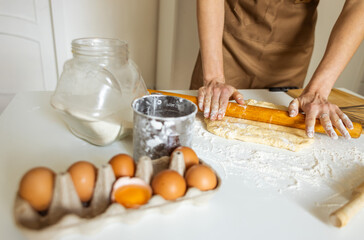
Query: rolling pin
x=341, y=217
x=267, y=115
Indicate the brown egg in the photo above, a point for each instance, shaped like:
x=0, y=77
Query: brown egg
x=83, y=175
x=123, y=165
x=36, y=187
x=189, y=156
x=201, y=177
x=169, y=184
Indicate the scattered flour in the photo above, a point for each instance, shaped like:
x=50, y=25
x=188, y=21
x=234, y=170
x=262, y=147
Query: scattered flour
x=332, y=164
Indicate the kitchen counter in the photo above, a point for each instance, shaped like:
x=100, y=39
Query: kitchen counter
x=266, y=193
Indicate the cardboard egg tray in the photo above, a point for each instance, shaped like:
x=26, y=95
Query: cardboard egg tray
x=67, y=215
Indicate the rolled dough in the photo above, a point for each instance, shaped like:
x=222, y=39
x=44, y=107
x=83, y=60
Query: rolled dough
x=264, y=133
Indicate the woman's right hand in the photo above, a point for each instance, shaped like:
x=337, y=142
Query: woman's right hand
x=214, y=97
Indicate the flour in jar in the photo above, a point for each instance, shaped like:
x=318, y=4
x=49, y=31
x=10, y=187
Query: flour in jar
x=97, y=131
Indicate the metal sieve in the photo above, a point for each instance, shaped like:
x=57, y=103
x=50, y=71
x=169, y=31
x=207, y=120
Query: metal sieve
x=161, y=123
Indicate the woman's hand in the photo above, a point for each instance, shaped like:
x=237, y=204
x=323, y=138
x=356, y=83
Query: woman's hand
x=345, y=38
x=213, y=98
x=316, y=106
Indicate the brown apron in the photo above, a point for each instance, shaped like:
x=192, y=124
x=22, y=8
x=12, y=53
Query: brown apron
x=266, y=43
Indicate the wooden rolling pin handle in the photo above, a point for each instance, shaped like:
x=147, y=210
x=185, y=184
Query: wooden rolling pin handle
x=267, y=115
x=342, y=216
x=359, y=189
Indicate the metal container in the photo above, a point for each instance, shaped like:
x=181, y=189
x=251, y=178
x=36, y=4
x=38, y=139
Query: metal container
x=161, y=123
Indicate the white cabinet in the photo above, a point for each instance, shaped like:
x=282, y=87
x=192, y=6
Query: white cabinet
x=27, y=57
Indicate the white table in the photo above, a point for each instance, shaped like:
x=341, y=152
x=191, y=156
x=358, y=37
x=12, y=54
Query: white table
x=32, y=134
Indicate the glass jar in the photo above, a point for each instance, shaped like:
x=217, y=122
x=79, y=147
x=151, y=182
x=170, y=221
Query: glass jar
x=96, y=89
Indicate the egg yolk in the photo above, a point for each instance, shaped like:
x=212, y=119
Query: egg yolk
x=132, y=196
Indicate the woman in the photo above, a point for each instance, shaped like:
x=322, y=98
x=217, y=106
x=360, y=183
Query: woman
x=269, y=43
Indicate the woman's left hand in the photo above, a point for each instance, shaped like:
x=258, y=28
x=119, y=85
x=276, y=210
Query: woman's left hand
x=316, y=106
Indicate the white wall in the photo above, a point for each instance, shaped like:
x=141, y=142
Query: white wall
x=134, y=21
x=178, y=44
x=187, y=45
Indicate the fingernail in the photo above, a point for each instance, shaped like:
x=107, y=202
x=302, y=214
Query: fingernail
x=347, y=136
x=200, y=106
x=333, y=135
x=292, y=113
x=310, y=132
x=219, y=116
x=206, y=114
x=347, y=119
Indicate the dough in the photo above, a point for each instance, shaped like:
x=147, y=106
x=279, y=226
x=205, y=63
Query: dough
x=264, y=133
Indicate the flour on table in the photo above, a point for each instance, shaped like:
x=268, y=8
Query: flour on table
x=337, y=165
x=320, y=176
x=264, y=133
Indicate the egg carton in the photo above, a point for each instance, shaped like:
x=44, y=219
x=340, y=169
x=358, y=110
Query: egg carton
x=67, y=215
